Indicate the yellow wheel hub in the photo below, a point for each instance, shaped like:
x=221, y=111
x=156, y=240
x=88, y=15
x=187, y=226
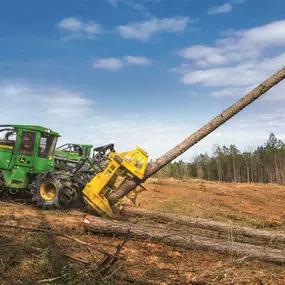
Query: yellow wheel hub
x=48, y=190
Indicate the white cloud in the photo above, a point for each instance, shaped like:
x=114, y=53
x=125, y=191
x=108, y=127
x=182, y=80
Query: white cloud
x=134, y=4
x=225, y=8
x=249, y=73
x=183, y=68
x=114, y=3
x=205, y=56
x=152, y=134
x=145, y=30
x=238, y=75
x=246, y=131
x=237, y=46
x=70, y=24
x=231, y=92
x=238, y=1
x=276, y=94
x=137, y=60
x=75, y=28
x=115, y=64
x=197, y=52
x=14, y=90
x=270, y=34
x=236, y=63
x=112, y=64
x=75, y=117
x=46, y=104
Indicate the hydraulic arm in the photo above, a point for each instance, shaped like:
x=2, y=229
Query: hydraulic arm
x=121, y=168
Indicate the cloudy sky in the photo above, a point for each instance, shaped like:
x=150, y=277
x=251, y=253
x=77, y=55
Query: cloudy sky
x=142, y=72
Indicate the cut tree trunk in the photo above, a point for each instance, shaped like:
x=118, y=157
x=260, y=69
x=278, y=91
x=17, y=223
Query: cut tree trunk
x=200, y=134
x=205, y=224
x=187, y=241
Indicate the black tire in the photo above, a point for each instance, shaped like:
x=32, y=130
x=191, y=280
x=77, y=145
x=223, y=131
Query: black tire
x=63, y=196
x=78, y=201
x=2, y=182
x=79, y=181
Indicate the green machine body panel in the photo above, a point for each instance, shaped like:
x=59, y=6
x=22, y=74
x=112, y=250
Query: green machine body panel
x=25, y=151
x=74, y=151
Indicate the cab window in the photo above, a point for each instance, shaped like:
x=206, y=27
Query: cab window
x=78, y=149
x=27, y=143
x=45, y=146
x=8, y=138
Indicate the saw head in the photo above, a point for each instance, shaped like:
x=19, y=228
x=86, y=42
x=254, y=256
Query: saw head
x=126, y=166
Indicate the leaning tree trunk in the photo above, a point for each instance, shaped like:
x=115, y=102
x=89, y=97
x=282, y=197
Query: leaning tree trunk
x=201, y=133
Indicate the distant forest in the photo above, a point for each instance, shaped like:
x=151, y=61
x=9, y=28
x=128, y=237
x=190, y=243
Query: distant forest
x=265, y=164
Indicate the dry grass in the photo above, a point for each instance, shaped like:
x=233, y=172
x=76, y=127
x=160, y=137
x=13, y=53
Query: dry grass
x=257, y=205
x=26, y=258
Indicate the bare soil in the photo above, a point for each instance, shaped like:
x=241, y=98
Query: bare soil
x=31, y=257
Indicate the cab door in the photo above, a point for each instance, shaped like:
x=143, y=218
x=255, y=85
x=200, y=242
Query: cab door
x=26, y=150
x=23, y=159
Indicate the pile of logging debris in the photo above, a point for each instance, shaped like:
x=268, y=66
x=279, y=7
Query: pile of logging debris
x=183, y=237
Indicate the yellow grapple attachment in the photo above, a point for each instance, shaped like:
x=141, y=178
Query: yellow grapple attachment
x=128, y=165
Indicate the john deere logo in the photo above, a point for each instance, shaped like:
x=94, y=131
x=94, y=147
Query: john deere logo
x=22, y=160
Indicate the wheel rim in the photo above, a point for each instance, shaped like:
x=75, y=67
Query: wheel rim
x=48, y=191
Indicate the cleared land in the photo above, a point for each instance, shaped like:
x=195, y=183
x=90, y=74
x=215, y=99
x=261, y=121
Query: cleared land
x=29, y=257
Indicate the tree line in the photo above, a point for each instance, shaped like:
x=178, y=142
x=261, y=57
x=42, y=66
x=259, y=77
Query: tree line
x=265, y=164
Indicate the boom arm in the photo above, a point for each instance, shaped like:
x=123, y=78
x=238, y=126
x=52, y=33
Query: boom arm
x=127, y=165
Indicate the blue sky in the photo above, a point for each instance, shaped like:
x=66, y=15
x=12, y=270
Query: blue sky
x=142, y=72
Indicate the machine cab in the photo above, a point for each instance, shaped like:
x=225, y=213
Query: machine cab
x=25, y=150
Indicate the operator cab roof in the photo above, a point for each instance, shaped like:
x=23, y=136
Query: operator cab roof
x=77, y=144
x=33, y=128
x=84, y=145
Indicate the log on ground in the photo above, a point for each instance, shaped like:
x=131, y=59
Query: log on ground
x=204, y=224
x=185, y=240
